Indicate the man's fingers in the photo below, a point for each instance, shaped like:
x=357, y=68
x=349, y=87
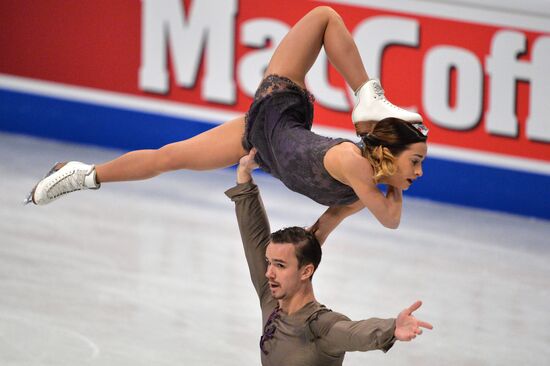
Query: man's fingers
x=425, y=325
x=414, y=306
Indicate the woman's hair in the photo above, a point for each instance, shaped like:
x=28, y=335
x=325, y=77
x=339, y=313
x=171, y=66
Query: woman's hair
x=387, y=140
x=306, y=245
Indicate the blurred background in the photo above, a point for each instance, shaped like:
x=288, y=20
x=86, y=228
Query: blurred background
x=153, y=273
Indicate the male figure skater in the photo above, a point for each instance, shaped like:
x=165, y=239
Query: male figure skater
x=297, y=330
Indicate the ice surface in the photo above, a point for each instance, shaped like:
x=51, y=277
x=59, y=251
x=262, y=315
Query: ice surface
x=153, y=273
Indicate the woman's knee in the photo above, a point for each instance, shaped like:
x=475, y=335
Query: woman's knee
x=326, y=12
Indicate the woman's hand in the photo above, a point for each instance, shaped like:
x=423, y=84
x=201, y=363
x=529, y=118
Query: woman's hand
x=314, y=229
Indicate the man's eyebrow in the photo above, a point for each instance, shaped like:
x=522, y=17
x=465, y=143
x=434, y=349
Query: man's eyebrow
x=276, y=260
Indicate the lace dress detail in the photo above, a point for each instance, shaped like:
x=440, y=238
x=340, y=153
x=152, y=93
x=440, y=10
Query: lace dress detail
x=275, y=83
x=278, y=125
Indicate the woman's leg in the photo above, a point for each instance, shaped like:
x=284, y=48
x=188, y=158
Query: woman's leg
x=221, y=146
x=299, y=49
x=216, y=148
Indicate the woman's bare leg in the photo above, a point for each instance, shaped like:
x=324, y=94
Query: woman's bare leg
x=216, y=148
x=299, y=49
x=221, y=146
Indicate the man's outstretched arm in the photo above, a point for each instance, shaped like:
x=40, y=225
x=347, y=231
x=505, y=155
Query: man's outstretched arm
x=371, y=334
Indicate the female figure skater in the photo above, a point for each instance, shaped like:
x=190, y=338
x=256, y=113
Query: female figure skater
x=334, y=172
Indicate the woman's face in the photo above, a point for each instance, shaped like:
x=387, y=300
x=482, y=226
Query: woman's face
x=409, y=166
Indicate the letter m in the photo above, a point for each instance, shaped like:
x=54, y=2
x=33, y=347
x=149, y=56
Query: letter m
x=207, y=31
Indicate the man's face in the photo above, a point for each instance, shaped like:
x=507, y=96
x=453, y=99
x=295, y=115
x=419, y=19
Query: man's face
x=283, y=274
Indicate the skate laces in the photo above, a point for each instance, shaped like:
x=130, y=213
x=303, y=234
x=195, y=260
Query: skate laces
x=379, y=94
x=69, y=182
x=377, y=89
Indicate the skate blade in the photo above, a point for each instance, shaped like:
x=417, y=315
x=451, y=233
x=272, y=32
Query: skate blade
x=30, y=196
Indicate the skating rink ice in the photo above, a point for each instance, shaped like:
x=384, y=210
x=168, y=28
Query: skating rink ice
x=153, y=273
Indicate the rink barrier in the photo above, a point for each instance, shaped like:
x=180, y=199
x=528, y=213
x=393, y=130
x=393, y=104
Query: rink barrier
x=445, y=180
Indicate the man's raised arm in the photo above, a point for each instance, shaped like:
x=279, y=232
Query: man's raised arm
x=253, y=222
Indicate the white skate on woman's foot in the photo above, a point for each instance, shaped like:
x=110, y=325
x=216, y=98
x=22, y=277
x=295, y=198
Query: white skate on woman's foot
x=372, y=106
x=63, y=178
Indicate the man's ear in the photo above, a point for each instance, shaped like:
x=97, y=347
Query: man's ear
x=307, y=271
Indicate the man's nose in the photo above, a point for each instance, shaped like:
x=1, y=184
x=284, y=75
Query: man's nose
x=269, y=272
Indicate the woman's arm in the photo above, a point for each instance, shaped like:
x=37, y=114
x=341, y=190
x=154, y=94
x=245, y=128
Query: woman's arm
x=331, y=218
x=349, y=167
x=386, y=208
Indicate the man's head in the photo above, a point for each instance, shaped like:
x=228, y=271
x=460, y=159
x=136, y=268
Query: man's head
x=292, y=256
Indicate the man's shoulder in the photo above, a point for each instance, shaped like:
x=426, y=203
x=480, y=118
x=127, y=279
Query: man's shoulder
x=330, y=317
x=322, y=320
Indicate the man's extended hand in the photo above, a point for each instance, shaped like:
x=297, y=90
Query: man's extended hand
x=246, y=166
x=407, y=327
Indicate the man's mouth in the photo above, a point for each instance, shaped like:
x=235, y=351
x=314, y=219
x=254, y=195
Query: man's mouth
x=410, y=181
x=273, y=285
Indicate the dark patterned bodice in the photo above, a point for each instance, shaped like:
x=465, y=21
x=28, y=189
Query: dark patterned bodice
x=278, y=125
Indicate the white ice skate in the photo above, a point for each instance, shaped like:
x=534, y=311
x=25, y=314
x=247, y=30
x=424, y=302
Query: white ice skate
x=372, y=106
x=73, y=176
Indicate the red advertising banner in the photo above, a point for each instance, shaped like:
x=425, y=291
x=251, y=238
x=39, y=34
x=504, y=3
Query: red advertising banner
x=480, y=86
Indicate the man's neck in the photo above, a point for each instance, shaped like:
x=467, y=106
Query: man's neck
x=298, y=300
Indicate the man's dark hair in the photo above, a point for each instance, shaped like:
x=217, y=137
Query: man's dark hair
x=306, y=245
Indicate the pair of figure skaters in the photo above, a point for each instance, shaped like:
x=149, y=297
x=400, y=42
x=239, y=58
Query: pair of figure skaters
x=343, y=175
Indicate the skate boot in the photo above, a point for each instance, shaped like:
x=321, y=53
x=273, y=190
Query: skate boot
x=372, y=106
x=73, y=176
